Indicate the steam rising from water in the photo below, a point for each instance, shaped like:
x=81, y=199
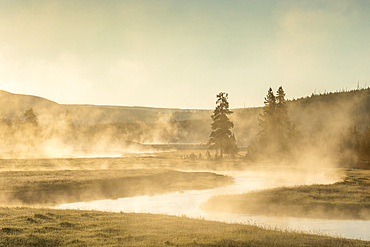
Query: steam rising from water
x=187, y=204
x=318, y=119
x=310, y=162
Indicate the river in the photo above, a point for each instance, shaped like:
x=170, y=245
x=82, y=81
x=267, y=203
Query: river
x=187, y=203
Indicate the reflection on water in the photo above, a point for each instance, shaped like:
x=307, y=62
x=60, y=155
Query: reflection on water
x=187, y=203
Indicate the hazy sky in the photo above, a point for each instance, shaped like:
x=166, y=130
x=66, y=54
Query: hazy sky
x=182, y=53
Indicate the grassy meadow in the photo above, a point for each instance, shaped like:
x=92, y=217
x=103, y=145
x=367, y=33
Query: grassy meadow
x=29, y=186
x=48, y=227
x=54, y=181
x=346, y=199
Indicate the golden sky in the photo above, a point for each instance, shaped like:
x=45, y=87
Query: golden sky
x=182, y=53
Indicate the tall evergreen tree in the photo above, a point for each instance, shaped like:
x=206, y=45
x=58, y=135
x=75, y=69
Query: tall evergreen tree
x=221, y=137
x=283, y=125
x=268, y=117
x=276, y=130
x=231, y=146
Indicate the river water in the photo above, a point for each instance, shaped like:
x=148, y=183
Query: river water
x=187, y=203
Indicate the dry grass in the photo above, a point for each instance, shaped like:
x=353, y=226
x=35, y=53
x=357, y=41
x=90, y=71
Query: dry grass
x=65, y=186
x=163, y=160
x=47, y=227
x=348, y=199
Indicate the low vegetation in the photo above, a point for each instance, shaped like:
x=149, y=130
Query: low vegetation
x=347, y=199
x=52, y=181
x=65, y=186
x=48, y=227
x=185, y=160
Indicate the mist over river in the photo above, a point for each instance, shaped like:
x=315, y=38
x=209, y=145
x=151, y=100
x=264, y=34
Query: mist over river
x=187, y=204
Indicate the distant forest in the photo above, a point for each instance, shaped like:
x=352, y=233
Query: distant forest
x=338, y=121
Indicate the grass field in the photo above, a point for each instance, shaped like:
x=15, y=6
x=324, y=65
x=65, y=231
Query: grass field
x=55, y=187
x=347, y=199
x=47, y=227
x=48, y=182
x=165, y=160
x=54, y=181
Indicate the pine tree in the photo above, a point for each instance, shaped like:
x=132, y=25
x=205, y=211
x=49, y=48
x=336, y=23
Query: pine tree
x=268, y=117
x=231, y=146
x=283, y=125
x=221, y=137
x=31, y=118
x=30, y=131
x=276, y=132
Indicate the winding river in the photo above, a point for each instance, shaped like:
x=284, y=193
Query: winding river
x=187, y=203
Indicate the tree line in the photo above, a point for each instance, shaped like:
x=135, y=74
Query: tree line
x=276, y=134
x=279, y=140
x=276, y=139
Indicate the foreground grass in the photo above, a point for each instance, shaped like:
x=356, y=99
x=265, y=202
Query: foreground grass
x=65, y=186
x=347, y=199
x=48, y=227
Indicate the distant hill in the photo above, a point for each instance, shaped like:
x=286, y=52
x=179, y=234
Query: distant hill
x=14, y=105
x=317, y=116
x=331, y=111
x=320, y=121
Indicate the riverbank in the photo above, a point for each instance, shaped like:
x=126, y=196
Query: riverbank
x=49, y=227
x=347, y=199
x=48, y=188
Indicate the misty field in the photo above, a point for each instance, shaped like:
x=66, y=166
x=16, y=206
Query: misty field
x=55, y=181
x=46, y=182
x=171, y=159
x=184, y=123
x=346, y=199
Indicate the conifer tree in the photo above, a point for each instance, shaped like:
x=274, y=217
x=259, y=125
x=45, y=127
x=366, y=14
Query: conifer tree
x=221, y=137
x=30, y=117
x=283, y=126
x=268, y=117
x=30, y=131
x=276, y=130
x=231, y=146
